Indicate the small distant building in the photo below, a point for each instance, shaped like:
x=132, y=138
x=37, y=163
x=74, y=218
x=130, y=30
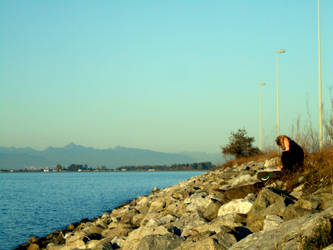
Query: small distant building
x=46, y=170
x=124, y=169
x=151, y=169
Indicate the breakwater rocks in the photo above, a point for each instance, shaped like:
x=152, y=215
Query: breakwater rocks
x=221, y=209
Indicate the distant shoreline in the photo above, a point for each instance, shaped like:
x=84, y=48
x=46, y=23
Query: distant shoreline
x=197, y=166
x=185, y=170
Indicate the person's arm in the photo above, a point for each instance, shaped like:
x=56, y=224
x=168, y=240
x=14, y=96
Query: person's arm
x=274, y=169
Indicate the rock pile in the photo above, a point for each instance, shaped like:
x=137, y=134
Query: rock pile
x=222, y=209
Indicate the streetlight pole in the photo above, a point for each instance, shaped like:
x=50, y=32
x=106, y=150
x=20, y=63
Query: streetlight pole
x=260, y=115
x=277, y=90
x=320, y=85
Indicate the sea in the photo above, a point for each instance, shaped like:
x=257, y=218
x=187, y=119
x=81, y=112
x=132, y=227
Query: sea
x=36, y=204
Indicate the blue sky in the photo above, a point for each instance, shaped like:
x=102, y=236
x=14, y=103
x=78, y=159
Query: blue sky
x=169, y=76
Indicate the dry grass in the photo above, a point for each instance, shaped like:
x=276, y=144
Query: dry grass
x=316, y=173
x=241, y=160
x=318, y=169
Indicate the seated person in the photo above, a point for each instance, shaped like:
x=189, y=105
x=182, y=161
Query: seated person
x=292, y=157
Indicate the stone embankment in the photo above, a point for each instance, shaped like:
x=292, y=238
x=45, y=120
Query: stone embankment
x=221, y=209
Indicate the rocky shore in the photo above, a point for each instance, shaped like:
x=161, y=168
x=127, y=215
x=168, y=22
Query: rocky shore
x=221, y=209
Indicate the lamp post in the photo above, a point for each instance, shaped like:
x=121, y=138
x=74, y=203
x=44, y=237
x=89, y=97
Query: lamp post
x=277, y=90
x=260, y=114
x=319, y=83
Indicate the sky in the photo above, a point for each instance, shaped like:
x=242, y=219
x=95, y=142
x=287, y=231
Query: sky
x=170, y=76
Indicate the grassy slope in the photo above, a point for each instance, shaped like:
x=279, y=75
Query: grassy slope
x=317, y=171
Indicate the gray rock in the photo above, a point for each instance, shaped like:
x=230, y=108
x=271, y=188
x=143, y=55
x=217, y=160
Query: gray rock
x=157, y=205
x=267, y=203
x=52, y=246
x=295, y=211
x=272, y=222
x=118, y=242
x=75, y=240
x=326, y=201
x=188, y=221
x=160, y=242
x=291, y=234
x=100, y=245
x=237, y=206
x=134, y=237
x=204, y=244
x=225, y=240
x=244, y=180
x=231, y=220
x=309, y=204
x=211, y=210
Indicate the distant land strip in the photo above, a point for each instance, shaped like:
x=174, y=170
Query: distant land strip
x=201, y=166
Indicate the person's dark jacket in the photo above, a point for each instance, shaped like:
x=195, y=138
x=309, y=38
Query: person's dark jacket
x=292, y=158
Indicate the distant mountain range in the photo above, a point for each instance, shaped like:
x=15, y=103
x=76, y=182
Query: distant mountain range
x=20, y=158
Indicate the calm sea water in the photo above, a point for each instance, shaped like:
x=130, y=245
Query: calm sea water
x=36, y=204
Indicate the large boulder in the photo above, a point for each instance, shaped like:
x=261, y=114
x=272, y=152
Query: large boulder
x=292, y=234
x=123, y=214
x=213, y=227
x=240, y=192
x=177, y=208
x=207, y=243
x=294, y=211
x=272, y=222
x=211, y=210
x=244, y=179
x=267, y=203
x=75, y=240
x=100, y=245
x=160, y=242
x=134, y=237
x=137, y=219
x=231, y=220
x=117, y=229
x=202, y=203
x=237, y=206
x=188, y=221
x=197, y=201
x=157, y=205
x=118, y=242
x=52, y=246
x=142, y=204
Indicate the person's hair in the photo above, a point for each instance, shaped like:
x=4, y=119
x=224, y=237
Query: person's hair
x=279, y=140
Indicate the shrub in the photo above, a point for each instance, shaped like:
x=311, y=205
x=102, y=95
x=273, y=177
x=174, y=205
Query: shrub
x=240, y=145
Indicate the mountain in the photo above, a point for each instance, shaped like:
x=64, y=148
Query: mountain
x=20, y=158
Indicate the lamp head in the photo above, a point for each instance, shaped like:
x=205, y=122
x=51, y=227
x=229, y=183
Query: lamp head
x=281, y=51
